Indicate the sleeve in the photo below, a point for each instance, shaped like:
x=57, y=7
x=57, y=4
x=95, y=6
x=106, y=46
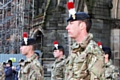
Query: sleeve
x=64, y=69
x=95, y=62
x=69, y=66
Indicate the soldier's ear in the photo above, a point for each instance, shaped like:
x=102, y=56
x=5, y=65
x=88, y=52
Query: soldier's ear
x=82, y=25
x=60, y=51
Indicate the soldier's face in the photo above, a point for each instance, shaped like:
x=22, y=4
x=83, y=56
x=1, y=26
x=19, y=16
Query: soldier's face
x=56, y=53
x=24, y=49
x=106, y=58
x=73, y=28
x=7, y=65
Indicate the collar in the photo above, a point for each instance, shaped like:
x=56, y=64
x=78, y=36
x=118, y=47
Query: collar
x=59, y=60
x=108, y=63
x=83, y=44
x=29, y=59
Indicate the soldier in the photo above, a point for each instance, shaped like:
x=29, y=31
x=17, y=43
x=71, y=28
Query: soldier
x=31, y=68
x=2, y=73
x=86, y=59
x=111, y=72
x=58, y=68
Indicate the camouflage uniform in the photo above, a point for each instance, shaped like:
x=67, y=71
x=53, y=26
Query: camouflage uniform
x=2, y=74
x=85, y=62
x=31, y=69
x=58, y=69
x=111, y=72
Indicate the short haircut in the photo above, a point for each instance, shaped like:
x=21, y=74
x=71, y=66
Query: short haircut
x=88, y=24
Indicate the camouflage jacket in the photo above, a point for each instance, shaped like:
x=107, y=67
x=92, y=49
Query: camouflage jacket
x=58, y=69
x=111, y=72
x=85, y=62
x=2, y=74
x=31, y=69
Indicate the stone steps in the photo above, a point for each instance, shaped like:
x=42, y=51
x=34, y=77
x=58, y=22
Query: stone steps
x=47, y=60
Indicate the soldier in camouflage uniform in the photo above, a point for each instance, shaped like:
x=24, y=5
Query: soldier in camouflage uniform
x=2, y=74
x=86, y=59
x=31, y=68
x=58, y=67
x=111, y=72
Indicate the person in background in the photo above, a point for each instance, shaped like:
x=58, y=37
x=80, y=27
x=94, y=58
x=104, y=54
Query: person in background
x=58, y=67
x=111, y=72
x=17, y=69
x=8, y=70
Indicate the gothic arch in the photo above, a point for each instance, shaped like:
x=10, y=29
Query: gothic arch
x=37, y=33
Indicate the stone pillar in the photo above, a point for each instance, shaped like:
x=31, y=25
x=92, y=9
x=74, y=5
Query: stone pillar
x=115, y=12
x=115, y=46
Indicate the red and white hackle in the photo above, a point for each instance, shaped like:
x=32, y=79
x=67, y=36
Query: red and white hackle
x=25, y=37
x=99, y=44
x=56, y=44
x=71, y=8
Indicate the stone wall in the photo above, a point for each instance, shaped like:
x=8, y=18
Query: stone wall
x=101, y=31
x=54, y=29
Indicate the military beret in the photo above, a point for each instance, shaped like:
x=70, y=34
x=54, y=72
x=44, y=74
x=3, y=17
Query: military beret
x=27, y=41
x=30, y=41
x=75, y=15
x=78, y=16
x=58, y=48
x=107, y=50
